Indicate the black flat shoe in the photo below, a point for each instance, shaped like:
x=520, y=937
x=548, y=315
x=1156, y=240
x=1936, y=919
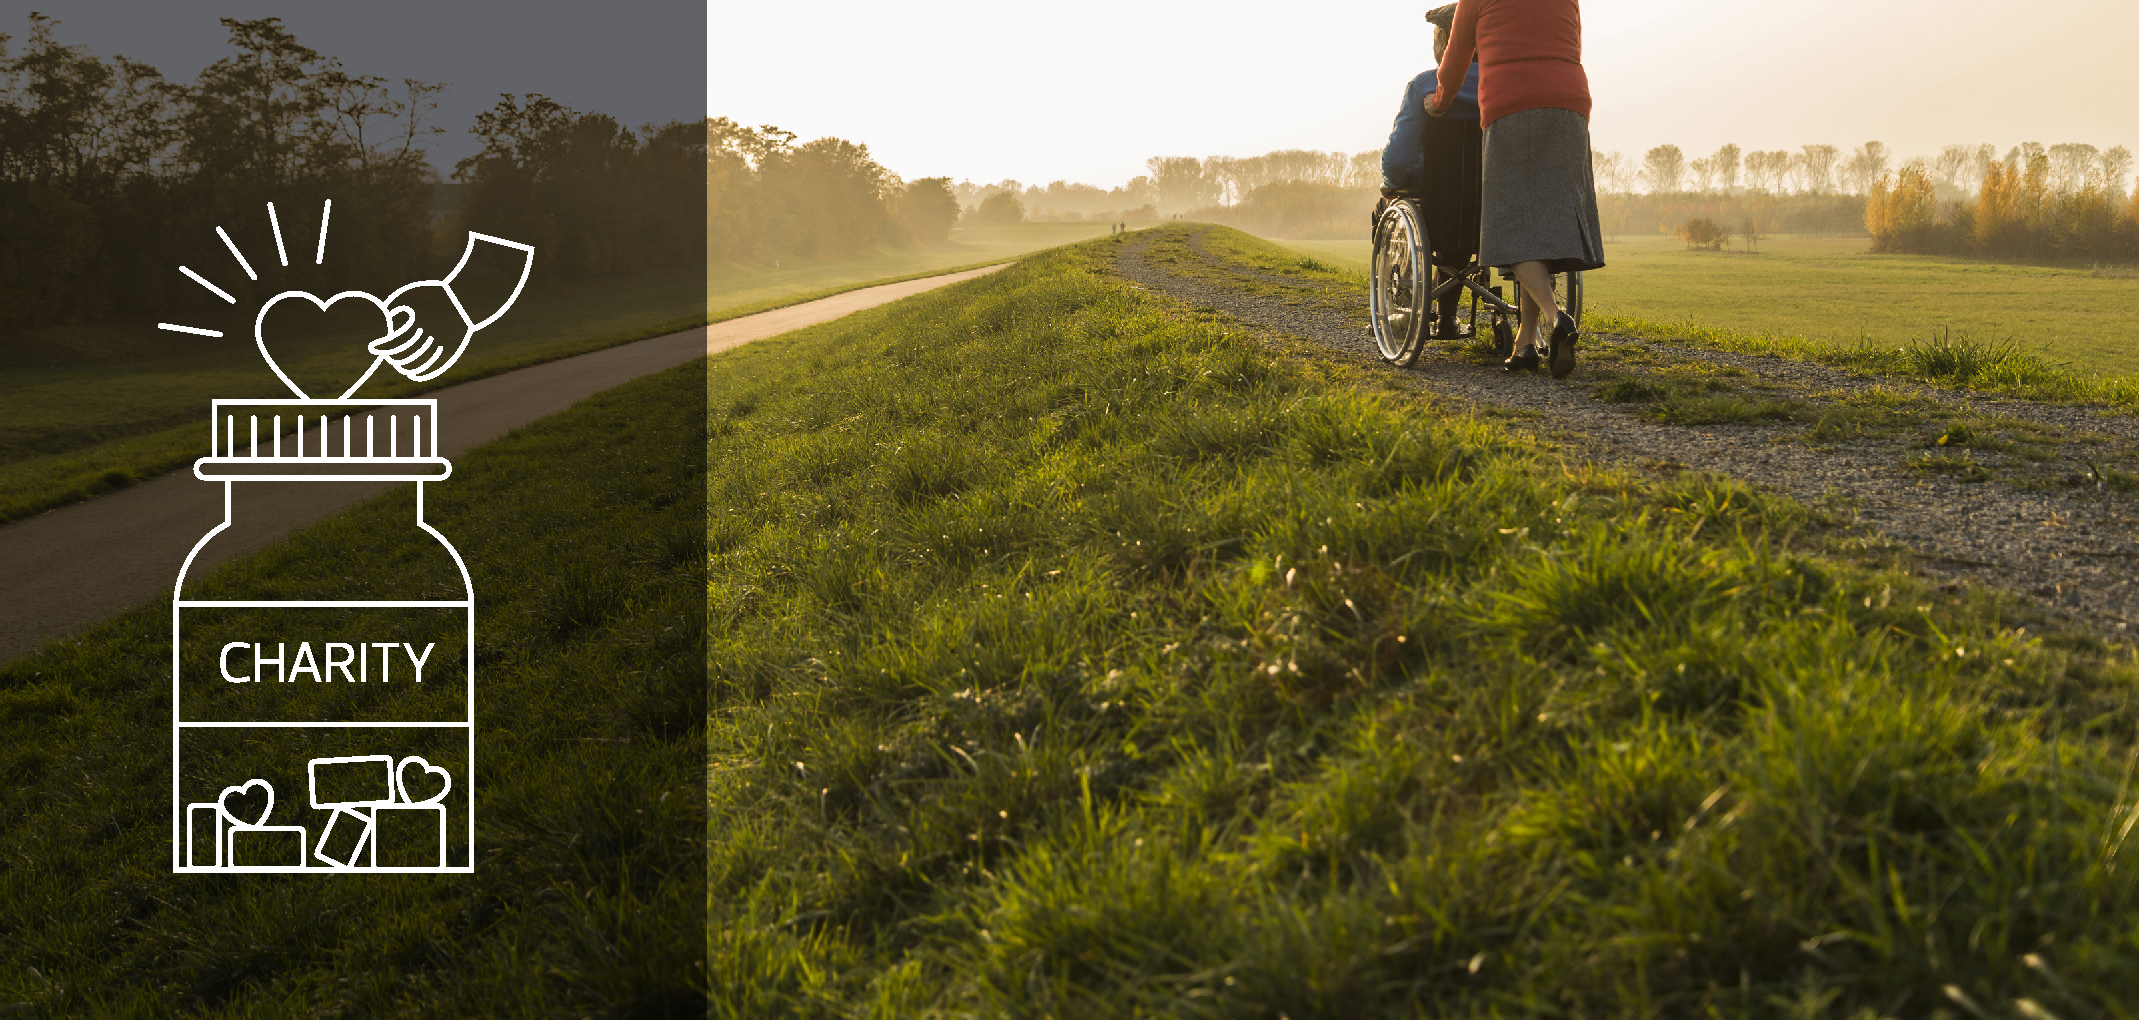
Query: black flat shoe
x=1522, y=362
x=1564, y=333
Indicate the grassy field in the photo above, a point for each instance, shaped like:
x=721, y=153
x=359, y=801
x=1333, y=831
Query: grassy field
x=1833, y=289
x=1076, y=655
x=588, y=896
x=741, y=284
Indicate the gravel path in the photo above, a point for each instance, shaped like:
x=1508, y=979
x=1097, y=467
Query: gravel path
x=2073, y=546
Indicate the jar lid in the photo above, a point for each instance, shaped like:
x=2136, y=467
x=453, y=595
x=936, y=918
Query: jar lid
x=323, y=440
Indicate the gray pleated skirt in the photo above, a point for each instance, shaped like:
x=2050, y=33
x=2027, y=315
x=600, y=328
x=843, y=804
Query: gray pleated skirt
x=1538, y=201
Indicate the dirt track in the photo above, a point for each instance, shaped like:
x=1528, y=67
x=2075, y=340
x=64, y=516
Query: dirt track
x=81, y=563
x=2027, y=508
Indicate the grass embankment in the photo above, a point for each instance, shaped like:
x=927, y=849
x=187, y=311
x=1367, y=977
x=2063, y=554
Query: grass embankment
x=1075, y=656
x=2033, y=331
x=584, y=533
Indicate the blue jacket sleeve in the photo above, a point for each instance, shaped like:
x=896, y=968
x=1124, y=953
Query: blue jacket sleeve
x=1466, y=105
x=1403, y=159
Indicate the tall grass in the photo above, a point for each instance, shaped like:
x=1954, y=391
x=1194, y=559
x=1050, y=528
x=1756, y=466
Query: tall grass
x=1074, y=656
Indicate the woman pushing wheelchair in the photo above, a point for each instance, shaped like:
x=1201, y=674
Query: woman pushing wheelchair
x=1521, y=193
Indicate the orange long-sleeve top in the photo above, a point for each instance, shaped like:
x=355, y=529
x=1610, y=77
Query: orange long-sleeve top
x=1529, y=56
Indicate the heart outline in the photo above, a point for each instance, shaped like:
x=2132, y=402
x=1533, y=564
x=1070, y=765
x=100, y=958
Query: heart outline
x=260, y=337
x=401, y=786
x=222, y=806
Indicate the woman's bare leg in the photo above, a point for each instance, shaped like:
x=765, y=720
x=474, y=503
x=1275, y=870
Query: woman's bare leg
x=1537, y=299
x=1526, y=330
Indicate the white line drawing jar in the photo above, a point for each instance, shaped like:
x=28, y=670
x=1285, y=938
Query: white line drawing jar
x=366, y=701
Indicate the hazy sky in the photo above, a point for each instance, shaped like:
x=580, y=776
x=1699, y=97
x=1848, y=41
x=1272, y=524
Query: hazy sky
x=637, y=60
x=1086, y=92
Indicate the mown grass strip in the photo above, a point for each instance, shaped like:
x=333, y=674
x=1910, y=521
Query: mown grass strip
x=1075, y=656
x=585, y=535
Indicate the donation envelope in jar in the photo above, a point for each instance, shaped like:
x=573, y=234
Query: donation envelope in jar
x=336, y=734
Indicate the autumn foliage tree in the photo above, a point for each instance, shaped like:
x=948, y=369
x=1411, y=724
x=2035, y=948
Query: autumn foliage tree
x=2024, y=208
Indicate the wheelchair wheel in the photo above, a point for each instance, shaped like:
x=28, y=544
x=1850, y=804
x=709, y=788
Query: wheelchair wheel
x=1400, y=297
x=1503, y=337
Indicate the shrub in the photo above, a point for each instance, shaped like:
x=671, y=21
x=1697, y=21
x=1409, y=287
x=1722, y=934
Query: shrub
x=1703, y=234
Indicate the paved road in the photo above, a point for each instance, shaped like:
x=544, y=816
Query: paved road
x=62, y=570
x=735, y=332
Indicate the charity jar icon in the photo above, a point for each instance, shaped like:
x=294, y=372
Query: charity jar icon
x=277, y=689
x=342, y=667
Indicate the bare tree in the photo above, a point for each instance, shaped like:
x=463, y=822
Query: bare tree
x=1612, y=171
x=1815, y=165
x=1727, y=164
x=1765, y=169
x=1979, y=164
x=1663, y=168
x=1865, y=167
x=1946, y=169
x=2019, y=156
x=2071, y=164
x=1704, y=174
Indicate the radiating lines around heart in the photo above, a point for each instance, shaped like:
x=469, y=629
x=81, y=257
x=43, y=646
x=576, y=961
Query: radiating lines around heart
x=236, y=254
x=281, y=255
x=212, y=288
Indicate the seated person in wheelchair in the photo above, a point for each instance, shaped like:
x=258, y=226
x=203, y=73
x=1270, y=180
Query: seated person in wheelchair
x=1435, y=161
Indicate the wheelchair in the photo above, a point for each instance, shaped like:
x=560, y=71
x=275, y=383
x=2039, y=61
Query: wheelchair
x=1425, y=259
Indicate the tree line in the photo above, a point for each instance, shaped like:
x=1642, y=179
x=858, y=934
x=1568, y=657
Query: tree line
x=1058, y=202
x=1304, y=180
x=768, y=196
x=111, y=176
x=1956, y=171
x=1814, y=189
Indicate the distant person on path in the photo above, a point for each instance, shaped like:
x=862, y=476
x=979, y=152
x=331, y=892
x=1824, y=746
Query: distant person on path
x=1539, y=205
x=1425, y=159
